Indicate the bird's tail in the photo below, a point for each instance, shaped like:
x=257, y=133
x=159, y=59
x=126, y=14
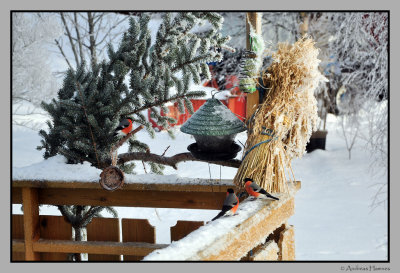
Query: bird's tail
x=273, y=197
x=222, y=213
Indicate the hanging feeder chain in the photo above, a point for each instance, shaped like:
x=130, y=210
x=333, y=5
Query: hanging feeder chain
x=216, y=92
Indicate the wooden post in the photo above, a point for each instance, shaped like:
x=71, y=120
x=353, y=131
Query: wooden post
x=286, y=244
x=304, y=25
x=31, y=222
x=254, y=18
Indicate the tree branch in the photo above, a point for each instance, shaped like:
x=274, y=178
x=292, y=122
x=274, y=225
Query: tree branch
x=62, y=53
x=154, y=104
x=109, y=31
x=173, y=160
x=70, y=38
x=78, y=36
x=125, y=138
x=92, y=41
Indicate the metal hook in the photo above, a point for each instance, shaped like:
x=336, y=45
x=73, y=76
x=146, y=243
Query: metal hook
x=216, y=91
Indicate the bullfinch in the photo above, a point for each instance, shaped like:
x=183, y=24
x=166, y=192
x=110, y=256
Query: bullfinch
x=230, y=205
x=124, y=127
x=256, y=191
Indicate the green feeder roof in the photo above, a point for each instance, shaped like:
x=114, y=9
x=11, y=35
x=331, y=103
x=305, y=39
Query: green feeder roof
x=213, y=119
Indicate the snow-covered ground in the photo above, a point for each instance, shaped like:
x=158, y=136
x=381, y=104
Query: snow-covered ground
x=333, y=219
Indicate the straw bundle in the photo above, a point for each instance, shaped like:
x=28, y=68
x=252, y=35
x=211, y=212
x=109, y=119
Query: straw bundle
x=283, y=123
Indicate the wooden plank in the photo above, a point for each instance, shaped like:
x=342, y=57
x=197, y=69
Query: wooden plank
x=286, y=244
x=17, y=233
x=137, y=230
x=268, y=252
x=203, y=195
x=183, y=228
x=103, y=229
x=18, y=246
x=188, y=200
x=96, y=247
x=31, y=222
x=54, y=227
x=190, y=184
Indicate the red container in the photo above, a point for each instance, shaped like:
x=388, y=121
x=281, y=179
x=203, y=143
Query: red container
x=237, y=104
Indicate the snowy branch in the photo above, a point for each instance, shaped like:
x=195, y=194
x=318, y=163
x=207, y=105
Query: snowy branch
x=173, y=160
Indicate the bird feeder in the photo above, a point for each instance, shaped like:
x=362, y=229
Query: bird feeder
x=214, y=128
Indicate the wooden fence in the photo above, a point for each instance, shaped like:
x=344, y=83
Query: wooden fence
x=48, y=238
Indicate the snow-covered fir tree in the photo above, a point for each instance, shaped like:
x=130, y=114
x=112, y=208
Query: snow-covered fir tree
x=91, y=103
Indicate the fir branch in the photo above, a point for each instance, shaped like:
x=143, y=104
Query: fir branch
x=186, y=63
x=90, y=128
x=92, y=212
x=154, y=104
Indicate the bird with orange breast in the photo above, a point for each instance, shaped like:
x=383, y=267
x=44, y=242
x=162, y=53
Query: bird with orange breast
x=124, y=127
x=230, y=205
x=255, y=190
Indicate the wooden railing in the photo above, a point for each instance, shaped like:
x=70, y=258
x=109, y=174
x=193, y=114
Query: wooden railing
x=41, y=237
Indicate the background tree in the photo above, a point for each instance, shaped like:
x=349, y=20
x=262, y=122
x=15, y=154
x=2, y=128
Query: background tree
x=138, y=75
x=354, y=53
x=276, y=26
x=362, y=51
x=32, y=34
x=87, y=34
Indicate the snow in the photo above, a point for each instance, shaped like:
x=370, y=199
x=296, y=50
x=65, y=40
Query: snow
x=56, y=169
x=333, y=218
x=225, y=113
x=218, y=94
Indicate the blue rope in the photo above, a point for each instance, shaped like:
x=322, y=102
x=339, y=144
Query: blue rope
x=258, y=144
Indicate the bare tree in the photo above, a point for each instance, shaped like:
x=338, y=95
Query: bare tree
x=87, y=34
x=32, y=77
x=361, y=44
x=277, y=27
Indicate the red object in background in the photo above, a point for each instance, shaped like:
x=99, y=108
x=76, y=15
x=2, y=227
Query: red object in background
x=232, y=84
x=236, y=102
